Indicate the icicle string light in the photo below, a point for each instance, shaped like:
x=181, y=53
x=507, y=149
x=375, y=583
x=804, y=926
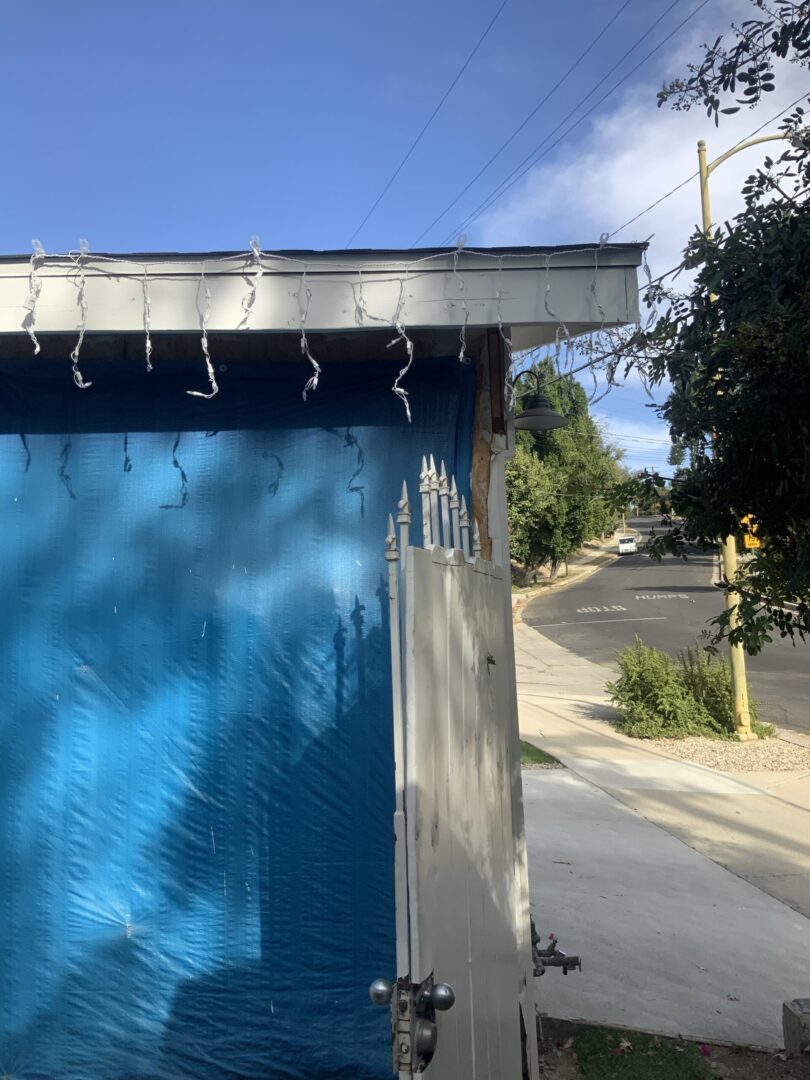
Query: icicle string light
x=81, y=300
x=509, y=384
x=249, y=299
x=562, y=329
x=359, y=300
x=34, y=289
x=648, y=275
x=267, y=258
x=594, y=286
x=402, y=336
x=462, y=337
x=255, y=264
x=304, y=297
x=147, y=319
x=204, y=312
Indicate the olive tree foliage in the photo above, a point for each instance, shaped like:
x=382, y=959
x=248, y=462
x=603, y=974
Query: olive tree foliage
x=560, y=483
x=733, y=349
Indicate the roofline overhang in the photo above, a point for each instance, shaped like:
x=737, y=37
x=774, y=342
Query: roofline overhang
x=534, y=291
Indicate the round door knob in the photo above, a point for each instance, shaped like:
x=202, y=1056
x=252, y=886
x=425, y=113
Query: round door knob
x=426, y=1037
x=442, y=997
x=381, y=991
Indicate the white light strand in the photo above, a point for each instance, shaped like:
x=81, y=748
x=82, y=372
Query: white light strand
x=204, y=311
x=304, y=296
x=648, y=274
x=147, y=318
x=261, y=263
x=509, y=386
x=332, y=265
x=603, y=239
x=561, y=327
x=402, y=336
x=81, y=300
x=34, y=289
x=462, y=337
x=249, y=299
x=360, y=312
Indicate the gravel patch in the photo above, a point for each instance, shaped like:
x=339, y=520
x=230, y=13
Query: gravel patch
x=543, y=765
x=764, y=755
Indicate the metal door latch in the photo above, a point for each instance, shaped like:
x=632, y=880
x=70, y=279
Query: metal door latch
x=413, y=1018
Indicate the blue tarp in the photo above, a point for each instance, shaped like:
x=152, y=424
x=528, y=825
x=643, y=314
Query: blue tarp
x=196, y=771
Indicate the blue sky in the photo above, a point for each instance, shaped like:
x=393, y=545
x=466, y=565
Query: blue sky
x=180, y=125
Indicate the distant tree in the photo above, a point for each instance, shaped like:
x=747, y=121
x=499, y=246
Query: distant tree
x=558, y=480
x=531, y=497
x=649, y=493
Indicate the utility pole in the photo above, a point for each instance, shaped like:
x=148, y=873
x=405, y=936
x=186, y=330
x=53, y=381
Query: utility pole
x=728, y=545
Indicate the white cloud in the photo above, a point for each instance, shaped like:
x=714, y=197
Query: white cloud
x=622, y=160
x=618, y=163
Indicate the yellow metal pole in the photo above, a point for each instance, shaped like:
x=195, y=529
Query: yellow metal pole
x=728, y=546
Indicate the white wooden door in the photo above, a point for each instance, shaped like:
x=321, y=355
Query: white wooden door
x=456, y=882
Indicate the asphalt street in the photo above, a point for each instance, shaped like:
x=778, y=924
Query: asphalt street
x=668, y=605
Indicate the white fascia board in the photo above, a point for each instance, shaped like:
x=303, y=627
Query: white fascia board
x=531, y=290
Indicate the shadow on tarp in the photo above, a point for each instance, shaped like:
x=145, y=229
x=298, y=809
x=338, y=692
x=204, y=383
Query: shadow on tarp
x=195, y=805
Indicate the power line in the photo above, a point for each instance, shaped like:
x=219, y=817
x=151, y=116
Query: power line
x=520, y=171
x=688, y=179
x=636, y=438
x=522, y=125
x=429, y=121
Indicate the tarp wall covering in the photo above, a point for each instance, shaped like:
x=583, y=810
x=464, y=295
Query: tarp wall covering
x=196, y=773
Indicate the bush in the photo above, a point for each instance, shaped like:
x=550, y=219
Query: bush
x=660, y=697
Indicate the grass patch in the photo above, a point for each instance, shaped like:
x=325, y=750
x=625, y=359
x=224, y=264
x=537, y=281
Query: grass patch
x=531, y=755
x=620, y=1055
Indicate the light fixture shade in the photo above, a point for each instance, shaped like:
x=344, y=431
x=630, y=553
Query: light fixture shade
x=539, y=415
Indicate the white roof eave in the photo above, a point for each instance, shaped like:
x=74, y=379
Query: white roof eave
x=533, y=291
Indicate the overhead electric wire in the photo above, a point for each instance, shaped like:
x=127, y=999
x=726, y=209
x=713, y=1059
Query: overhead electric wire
x=695, y=174
x=635, y=438
x=523, y=124
x=530, y=160
x=599, y=360
x=429, y=121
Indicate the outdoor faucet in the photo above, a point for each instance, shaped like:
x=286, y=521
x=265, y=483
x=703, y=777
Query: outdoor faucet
x=552, y=955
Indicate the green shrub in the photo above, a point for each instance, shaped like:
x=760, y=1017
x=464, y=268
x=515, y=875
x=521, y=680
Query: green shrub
x=659, y=697
x=708, y=680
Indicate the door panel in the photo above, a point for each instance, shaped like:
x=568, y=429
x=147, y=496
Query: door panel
x=460, y=864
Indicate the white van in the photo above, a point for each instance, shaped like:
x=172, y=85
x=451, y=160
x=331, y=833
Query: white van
x=627, y=545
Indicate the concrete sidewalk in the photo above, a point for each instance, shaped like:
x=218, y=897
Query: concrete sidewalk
x=686, y=890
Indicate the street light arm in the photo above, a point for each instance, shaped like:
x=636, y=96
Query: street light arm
x=743, y=146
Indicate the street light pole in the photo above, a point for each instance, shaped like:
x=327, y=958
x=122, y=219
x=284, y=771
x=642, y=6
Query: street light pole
x=728, y=546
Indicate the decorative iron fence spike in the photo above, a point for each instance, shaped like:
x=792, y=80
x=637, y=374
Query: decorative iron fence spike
x=464, y=522
x=424, y=491
x=456, y=538
x=433, y=477
x=404, y=518
x=391, y=552
x=444, y=498
x=476, y=540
